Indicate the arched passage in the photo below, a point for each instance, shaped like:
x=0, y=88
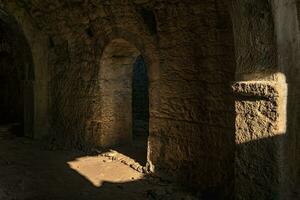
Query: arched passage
x=16, y=76
x=140, y=100
x=124, y=102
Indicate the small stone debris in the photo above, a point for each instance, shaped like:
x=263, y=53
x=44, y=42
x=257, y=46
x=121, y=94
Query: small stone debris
x=116, y=156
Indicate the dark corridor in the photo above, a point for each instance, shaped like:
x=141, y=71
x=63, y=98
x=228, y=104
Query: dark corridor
x=11, y=92
x=140, y=100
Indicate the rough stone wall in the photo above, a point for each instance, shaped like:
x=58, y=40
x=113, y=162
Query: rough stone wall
x=193, y=134
x=287, y=25
x=78, y=33
x=256, y=60
x=189, y=49
x=267, y=55
x=260, y=109
x=296, y=88
x=191, y=106
x=255, y=39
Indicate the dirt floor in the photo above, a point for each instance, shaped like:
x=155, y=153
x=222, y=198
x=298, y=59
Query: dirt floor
x=29, y=171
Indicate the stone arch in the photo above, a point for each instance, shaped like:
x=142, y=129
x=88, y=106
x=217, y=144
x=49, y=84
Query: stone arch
x=132, y=46
x=149, y=52
x=146, y=47
x=30, y=48
x=22, y=63
x=115, y=85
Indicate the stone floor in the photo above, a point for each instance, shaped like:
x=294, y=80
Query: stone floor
x=28, y=171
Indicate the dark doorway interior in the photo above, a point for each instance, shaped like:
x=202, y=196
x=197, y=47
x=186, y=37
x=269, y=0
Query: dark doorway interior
x=140, y=103
x=11, y=95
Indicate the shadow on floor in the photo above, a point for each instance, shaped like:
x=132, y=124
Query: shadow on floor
x=137, y=150
x=28, y=171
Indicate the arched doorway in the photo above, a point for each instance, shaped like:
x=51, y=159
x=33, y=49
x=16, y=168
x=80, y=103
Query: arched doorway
x=124, y=97
x=16, y=77
x=140, y=101
x=11, y=101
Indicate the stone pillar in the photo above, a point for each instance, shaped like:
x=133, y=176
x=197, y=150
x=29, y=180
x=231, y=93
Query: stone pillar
x=260, y=127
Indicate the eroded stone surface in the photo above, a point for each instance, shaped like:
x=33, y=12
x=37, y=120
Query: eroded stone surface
x=259, y=133
x=193, y=50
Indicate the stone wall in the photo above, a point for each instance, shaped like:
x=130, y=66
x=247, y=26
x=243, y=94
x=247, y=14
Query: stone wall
x=260, y=130
x=267, y=55
x=193, y=51
x=188, y=47
x=193, y=135
x=287, y=25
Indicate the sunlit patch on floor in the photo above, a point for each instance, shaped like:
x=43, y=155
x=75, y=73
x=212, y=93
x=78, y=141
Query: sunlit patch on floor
x=99, y=169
